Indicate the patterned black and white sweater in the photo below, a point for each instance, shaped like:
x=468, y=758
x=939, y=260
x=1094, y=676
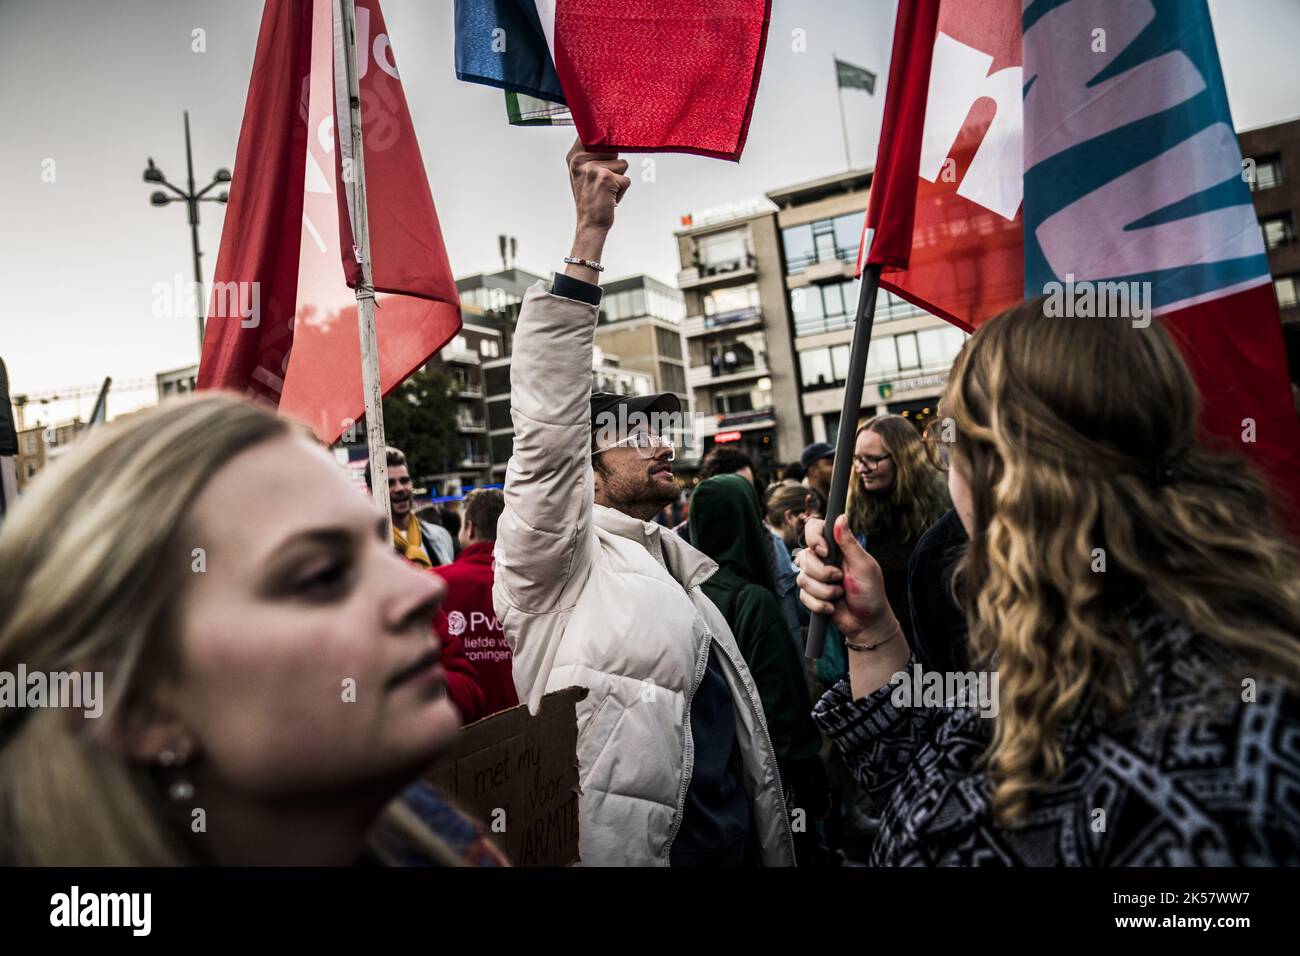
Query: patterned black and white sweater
x=1187, y=777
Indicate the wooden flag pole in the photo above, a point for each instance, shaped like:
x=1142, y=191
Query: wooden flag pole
x=847, y=435
x=370, y=382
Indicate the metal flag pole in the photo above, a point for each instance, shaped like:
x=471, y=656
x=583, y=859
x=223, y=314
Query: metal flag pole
x=844, y=123
x=370, y=383
x=862, y=323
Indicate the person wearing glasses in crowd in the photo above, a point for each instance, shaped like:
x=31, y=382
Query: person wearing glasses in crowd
x=675, y=760
x=895, y=494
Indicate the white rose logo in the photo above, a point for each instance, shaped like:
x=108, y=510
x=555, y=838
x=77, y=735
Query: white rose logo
x=455, y=624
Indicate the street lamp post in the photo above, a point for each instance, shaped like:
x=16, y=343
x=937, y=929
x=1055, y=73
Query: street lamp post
x=153, y=174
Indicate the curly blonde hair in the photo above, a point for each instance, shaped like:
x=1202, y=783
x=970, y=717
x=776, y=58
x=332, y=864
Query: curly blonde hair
x=1076, y=435
x=918, y=496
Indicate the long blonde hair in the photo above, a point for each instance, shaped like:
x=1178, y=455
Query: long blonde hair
x=918, y=496
x=94, y=570
x=1077, y=438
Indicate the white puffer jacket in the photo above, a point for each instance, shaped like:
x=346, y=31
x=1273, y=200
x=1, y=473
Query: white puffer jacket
x=590, y=596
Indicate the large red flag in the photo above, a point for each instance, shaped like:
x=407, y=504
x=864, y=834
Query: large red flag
x=287, y=242
x=954, y=159
x=1031, y=167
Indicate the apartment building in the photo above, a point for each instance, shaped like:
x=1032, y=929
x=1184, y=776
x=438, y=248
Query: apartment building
x=820, y=226
x=1272, y=169
x=739, y=359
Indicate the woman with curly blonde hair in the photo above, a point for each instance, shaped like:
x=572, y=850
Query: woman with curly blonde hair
x=1133, y=607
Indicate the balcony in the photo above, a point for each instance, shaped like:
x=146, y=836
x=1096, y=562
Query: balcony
x=454, y=356
x=697, y=325
x=720, y=373
x=463, y=389
x=708, y=425
x=730, y=270
x=467, y=462
x=468, y=425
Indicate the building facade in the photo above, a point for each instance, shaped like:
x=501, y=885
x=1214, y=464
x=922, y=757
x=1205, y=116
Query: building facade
x=1272, y=170
x=820, y=224
x=739, y=360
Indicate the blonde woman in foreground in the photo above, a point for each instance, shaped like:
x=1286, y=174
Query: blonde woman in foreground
x=1134, y=617
x=231, y=584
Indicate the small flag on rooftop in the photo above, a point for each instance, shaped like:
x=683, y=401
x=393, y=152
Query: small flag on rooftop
x=850, y=77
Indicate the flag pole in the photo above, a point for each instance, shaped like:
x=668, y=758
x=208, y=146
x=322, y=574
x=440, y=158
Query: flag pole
x=847, y=435
x=370, y=382
x=844, y=123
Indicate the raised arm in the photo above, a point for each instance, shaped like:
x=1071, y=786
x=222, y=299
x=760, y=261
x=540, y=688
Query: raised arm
x=543, y=537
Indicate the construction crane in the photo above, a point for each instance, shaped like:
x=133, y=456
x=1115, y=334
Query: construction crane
x=74, y=393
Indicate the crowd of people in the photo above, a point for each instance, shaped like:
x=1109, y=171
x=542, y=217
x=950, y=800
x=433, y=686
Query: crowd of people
x=1111, y=599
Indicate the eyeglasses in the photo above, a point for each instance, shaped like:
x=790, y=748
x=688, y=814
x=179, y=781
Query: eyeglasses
x=870, y=462
x=937, y=451
x=646, y=444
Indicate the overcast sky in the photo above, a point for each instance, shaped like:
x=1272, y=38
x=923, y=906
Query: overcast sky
x=98, y=85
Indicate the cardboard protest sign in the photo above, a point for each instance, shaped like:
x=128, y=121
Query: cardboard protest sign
x=518, y=774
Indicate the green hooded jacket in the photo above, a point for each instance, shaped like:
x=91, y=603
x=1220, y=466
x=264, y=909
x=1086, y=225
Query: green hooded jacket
x=726, y=524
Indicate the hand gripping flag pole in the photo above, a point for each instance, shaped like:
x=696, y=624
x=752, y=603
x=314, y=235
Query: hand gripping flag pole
x=370, y=382
x=844, y=440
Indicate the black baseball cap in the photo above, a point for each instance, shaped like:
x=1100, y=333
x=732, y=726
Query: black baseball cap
x=816, y=452
x=606, y=402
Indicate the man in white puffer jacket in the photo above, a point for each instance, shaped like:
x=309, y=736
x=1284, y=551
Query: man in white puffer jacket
x=675, y=762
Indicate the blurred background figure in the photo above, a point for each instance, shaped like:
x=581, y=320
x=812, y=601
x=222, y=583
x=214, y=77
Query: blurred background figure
x=425, y=543
x=818, y=463
x=726, y=524
x=794, y=471
x=268, y=659
x=784, y=522
x=471, y=619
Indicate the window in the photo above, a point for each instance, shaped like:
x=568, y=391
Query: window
x=29, y=444
x=458, y=344
x=624, y=305
x=736, y=353
x=734, y=304
x=496, y=381
x=815, y=370
x=882, y=357
x=907, y=352
x=502, y=448
x=723, y=252
x=669, y=343
x=822, y=241
x=1286, y=288
x=1278, y=230
x=848, y=234
x=1267, y=173
x=672, y=377
x=798, y=244
x=499, y=415
x=729, y=403
x=489, y=348
x=840, y=363
x=824, y=308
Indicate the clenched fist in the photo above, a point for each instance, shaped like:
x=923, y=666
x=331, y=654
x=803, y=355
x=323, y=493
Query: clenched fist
x=598, y=184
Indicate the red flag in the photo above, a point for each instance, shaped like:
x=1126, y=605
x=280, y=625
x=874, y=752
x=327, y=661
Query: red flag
x=891, y=210
x=660, y=75
x=306, y=357
x=1031, y=168
x=951, y=156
